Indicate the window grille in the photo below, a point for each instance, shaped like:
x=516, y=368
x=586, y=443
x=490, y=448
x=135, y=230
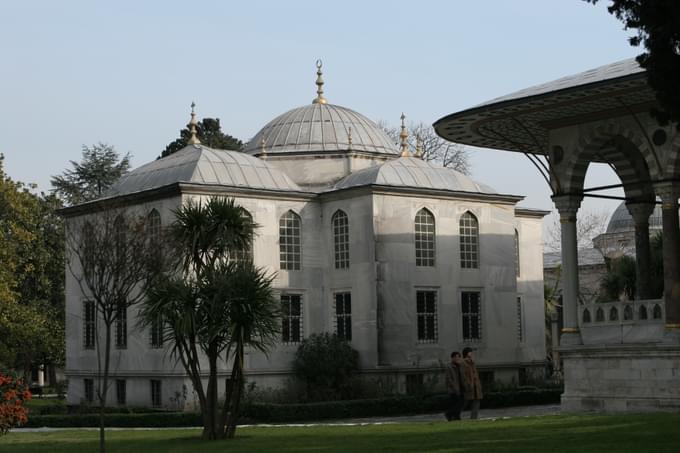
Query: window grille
x=426, y=308
x=343, y=315
x=157, y=333
x=121, y=326
x=88, y=385
x=341, y=239
x=89, y=327
x=517, y=254
x=244, y=255
x=291, y=321
x=156, y=400
x=425, y=238
x=520, y=320
x=121, y=391
x=472, y=315
x=289, y=241
x=469, y=241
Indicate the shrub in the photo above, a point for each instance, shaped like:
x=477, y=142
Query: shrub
x=13, y=393
x=326, y=363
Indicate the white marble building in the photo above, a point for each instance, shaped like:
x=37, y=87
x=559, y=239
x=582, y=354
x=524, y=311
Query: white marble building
x=406, y=259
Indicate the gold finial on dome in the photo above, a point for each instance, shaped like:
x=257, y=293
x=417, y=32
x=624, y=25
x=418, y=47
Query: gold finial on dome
x=419, y=146
x=319, y=99
x=349, y=138
x=263, y=150
x=193, y=140
x=404, y=137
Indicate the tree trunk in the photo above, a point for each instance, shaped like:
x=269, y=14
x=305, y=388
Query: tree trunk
x=210, y=418
x=103, y=388
x=236, y=399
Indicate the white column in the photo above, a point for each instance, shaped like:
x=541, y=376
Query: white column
x=567, y=206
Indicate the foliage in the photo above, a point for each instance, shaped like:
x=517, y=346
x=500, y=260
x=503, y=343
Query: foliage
x=210, y=134
x=657, y=25
x=31, y=277
x=326, y=363
x=434, y=148
x=213, y=304
x=13, y=393
x=100, y=167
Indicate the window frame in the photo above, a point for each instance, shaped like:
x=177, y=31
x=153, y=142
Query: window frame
x=467, y=319
x=89, y=324
x=156, y=392
x=88, y=390
x=426, y=317
x=518, y=261
x=425, y=238
x=121, y=392
x=468, y=237
x=343, y=317
x=156, y=333
x=521, y=325
x=340, y=231
x=290, y=241
x=288, y=320
x=121, y=326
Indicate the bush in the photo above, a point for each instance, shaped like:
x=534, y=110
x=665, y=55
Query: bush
x=13, y=394
x=326, y=363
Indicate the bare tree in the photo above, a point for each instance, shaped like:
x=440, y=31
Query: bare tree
x=434, y=148
x=111, y=256
x=588, y=226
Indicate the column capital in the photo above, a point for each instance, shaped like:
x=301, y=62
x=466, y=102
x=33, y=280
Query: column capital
x=567, y=205
x=668, y=192
x=640, y=211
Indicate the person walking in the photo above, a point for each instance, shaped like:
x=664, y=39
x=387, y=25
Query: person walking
x=455, y=387
x=473, y=387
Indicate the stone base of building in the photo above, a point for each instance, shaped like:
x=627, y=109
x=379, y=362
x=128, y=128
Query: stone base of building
x=642, y=377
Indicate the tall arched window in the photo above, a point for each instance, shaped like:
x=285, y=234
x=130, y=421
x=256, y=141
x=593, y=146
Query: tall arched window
x=517, y=253
x=119, y=237
x=469, y=241
x=153, y=226
x=425, y=238
x=289, y=241
x=246, y=254
x=341, y=239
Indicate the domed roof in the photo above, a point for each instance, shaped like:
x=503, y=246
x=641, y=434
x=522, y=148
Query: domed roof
x=202, y=165
x=321, y=127
x=621, y=220
x=413, y=172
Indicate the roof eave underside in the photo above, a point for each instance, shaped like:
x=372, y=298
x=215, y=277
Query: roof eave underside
x=522, y=124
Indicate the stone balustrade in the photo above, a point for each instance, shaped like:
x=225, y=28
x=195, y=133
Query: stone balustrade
x=618, y=322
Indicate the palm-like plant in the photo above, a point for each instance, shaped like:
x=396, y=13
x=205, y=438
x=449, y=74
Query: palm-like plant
x=215, y=305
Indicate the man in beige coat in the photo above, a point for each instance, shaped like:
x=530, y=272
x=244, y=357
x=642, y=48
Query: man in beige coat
x=473, y=387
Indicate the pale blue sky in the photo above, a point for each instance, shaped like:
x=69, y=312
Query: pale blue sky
x=124, y=72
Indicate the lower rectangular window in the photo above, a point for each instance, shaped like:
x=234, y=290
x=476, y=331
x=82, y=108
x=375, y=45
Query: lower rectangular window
x=88, y=390
x=155, y=393
x=520, y=320
x=426, y=312
x=291, y=318
x=121, y=391
x=471, y=306
x=343, y=315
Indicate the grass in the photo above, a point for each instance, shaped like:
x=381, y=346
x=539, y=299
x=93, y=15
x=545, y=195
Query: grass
x=565, y=433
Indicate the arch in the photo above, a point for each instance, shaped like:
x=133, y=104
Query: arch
x=628, y=313
x=673, y=166
x=153, y=225
x=613, y=314
x=469, y=241
x=642, y=312
x=586, y=316
x=599, y=315
x=340, y=228
x=290, y=238
x=657, y=313
x=425, y=238
x=625, y=149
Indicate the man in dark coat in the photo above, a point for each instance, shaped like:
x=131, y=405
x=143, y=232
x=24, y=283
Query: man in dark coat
x=473, y=386
x=455, y=387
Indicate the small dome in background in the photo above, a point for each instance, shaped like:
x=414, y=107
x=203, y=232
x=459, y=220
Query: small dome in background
x=202, y=165
x=621, y=220
x=413, y=172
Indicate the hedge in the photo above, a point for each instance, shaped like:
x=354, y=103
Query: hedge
x=286, y=413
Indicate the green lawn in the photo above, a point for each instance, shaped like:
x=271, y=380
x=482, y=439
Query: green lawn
x=585, y=433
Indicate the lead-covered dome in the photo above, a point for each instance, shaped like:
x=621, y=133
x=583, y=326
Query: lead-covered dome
x=413, y=172
x=621, y=220
x=320, y=127
x=199, y=164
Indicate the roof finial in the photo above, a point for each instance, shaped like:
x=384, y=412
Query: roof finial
x=319, y=99
x=404, y=136
x=419, y=147
x=263, y=151
x=193, y=140
x=349, y=139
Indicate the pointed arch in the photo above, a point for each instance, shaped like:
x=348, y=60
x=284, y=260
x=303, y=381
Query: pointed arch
x=340, y=225
x=153, y=226
x=469, y=241
x=290, y=241
x=244, y=255
x=425, y=238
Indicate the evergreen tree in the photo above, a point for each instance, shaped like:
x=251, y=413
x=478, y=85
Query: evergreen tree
x=209, y=133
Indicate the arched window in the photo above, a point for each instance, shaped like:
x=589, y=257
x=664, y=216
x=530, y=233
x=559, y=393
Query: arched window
x=516, y=253
x=469, y=241
x=340, y=223
x=586, y=316
x=425, y=238
x=628, y=313
x=656, y=312
x=244, y=255
x=153, y=226
x=119, y=235
x=88, y=248
x=599, y=315
x=642, y=312
x=613, y=314
x=289, y=241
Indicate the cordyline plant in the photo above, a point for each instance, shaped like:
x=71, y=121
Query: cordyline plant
x=13, y=394
x=214, y=304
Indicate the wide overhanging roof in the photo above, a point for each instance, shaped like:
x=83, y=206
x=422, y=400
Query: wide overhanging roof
x=522, y=120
